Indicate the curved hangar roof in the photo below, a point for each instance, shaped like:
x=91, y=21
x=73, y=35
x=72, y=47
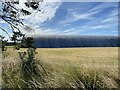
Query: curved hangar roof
x=76, y=41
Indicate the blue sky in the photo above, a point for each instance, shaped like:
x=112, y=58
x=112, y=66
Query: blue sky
x=85, y=19
x=75, y=18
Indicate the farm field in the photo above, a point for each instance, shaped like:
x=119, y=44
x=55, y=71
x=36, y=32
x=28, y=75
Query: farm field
x=89, y=68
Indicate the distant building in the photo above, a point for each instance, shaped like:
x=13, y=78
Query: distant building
x=76, y=41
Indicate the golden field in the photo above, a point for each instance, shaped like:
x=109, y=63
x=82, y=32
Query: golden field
x=89, y=68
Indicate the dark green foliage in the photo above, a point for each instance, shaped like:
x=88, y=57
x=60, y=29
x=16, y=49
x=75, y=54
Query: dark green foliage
x=29, y=42
x=33, y=5
x=17, y=39
x=3, y=43
x=29, y=66
x=28, y=62
x=10, y=14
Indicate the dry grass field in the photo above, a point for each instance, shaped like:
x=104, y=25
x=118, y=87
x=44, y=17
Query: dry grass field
x=89, y=68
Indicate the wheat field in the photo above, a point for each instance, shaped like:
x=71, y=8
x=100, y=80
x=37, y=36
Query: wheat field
x=86, y=68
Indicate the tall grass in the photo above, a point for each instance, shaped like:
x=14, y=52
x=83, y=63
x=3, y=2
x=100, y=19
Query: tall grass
x=64, y=74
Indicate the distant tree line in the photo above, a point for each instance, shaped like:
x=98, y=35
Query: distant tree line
x=25, y=43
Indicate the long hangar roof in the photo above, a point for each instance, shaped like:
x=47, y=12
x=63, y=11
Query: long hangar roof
x=62, y=41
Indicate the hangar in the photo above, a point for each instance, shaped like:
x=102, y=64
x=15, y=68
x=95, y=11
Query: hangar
x=68, y=41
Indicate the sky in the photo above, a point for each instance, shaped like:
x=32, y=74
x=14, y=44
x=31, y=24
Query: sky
x=72, y=18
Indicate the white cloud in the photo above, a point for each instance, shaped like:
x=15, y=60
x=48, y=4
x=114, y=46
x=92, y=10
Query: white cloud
x=99, y=27
x=112, y=17
x=69, y=30
x=86, y=15
x=66, y=25
x=78, y=16
x=70, y=33
x=40, y=31
x=110, y=20
x=114, y=31
x=48, y=10
x=1, y=22
x=103, y=5
x=114, y=13
x=74, y=15
x=94, y=23
x=89, y=15
x=46, y=13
